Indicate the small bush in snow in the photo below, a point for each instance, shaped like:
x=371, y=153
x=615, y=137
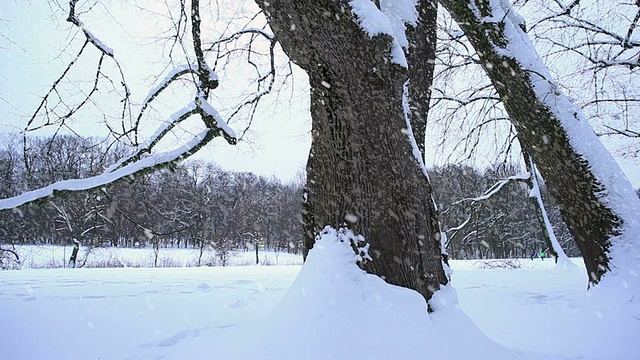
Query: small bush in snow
x=498, y=264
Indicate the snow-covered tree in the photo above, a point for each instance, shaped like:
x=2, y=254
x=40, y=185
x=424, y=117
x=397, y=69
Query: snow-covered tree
x=595, y=198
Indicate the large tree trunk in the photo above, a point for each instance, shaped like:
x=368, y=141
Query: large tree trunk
x=551, y=130
x=361, y=169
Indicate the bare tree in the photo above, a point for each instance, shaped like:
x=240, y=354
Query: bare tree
x=8, y=257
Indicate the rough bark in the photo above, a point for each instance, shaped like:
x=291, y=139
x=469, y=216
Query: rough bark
x=361, y=170
x=541, y=134
x=421, y=58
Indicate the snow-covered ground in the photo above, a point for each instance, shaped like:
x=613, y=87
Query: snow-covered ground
x=331, y=311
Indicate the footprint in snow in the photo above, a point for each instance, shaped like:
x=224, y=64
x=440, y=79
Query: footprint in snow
x=182, y=336
x=204, y=287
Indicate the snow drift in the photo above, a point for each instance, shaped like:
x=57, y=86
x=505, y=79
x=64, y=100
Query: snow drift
x=334, y=310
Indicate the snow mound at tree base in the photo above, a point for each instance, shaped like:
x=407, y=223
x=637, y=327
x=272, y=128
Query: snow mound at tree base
x=334, y=310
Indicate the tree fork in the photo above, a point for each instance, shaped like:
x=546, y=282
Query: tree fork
x=361, y=170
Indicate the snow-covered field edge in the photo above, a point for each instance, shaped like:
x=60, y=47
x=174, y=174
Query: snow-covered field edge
x=53, y=256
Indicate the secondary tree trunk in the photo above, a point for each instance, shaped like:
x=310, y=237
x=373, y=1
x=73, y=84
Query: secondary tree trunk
x=540, y=118
x=535, y=196
x=421, y=58
x=361, y=169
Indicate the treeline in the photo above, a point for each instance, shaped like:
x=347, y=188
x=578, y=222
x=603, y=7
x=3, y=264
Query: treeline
x=198, y=205
x=195, y=205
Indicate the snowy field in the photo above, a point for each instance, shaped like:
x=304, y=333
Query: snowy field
x=331, y=311
x=51, y=256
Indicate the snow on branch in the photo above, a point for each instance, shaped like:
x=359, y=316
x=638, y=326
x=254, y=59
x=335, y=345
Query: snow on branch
x=94, y=40
x=138, y=163
x=213, y=119
x=496, y=187
x=461, y=226
x=161, y=131
x=390, y=19
x=48, y=111
x=143, y=159
x=75, y=20
x=173, y=75
x=618, y=192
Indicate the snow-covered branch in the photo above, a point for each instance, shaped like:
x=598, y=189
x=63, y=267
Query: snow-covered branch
x=172, y=76
x=461, y=226
x=142, y=165
x=496, y=187
x=75, y=20
x=47, y=110
x=168, y=125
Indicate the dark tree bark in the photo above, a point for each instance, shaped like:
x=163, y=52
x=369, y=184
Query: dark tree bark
x=74, y=254
x=421, y=58
x=361, y=169
x=540, y=132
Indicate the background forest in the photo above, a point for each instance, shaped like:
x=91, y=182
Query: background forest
x=199, y=205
